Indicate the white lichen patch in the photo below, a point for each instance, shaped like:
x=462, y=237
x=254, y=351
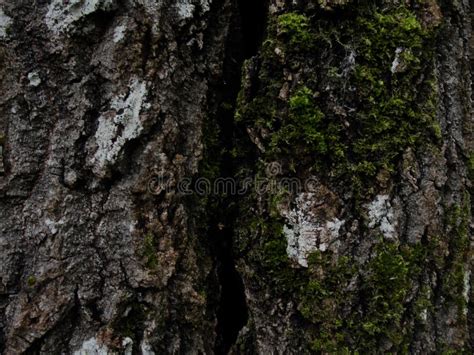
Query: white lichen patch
x=119, y=125
x=52, y=226
x=381, y=215
x=466, y=289
x=185, y=9
x=399, y=65
x=92, y=347
x=34, y=79
x=119, y=33
x=146, y=348
x=127, y=345
x=396, y=61
x=329, y=233
x=306, y=233
x=299, y=244
x=62, y=14
x=424, y=314
x=206, y=5
x=5, y=23
x=349, y=63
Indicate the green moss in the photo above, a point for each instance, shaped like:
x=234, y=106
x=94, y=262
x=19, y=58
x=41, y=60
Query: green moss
x=130, y=321
x=262, y=240
x=384, y=284
x=347, y=305
x=303, y=128
x=296, y=27
x=423, y=304
x=470, y=167
x=386, y=287
x=31, y=281
x=454, y=271
x=323, y=297
x=388, y=112
x=393, y=113
x=274, y=258
x=437, y=132
x=149, y=251
x=276, y=200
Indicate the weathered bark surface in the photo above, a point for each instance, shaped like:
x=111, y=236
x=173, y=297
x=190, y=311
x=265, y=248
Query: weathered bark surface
x=375, y=255
x=98, y=99
x=105, y=101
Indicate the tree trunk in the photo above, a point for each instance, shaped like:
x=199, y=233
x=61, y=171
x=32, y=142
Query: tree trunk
x=224, y=176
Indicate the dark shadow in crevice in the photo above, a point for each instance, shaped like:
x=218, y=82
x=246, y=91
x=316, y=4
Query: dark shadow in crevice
x=245, y=36
x=253, y=19
x=232, y=314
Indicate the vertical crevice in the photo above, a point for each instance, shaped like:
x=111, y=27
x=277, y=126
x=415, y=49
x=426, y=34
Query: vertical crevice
x=245, y=37
x=232, y=314
x=253, y=19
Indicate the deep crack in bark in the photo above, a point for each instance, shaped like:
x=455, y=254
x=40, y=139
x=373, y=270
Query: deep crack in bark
x=246, y=34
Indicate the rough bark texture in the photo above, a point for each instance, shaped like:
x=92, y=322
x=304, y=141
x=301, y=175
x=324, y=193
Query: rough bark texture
x=98, y=99
x=107, y=106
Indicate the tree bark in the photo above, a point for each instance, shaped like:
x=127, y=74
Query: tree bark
x=349, y=124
